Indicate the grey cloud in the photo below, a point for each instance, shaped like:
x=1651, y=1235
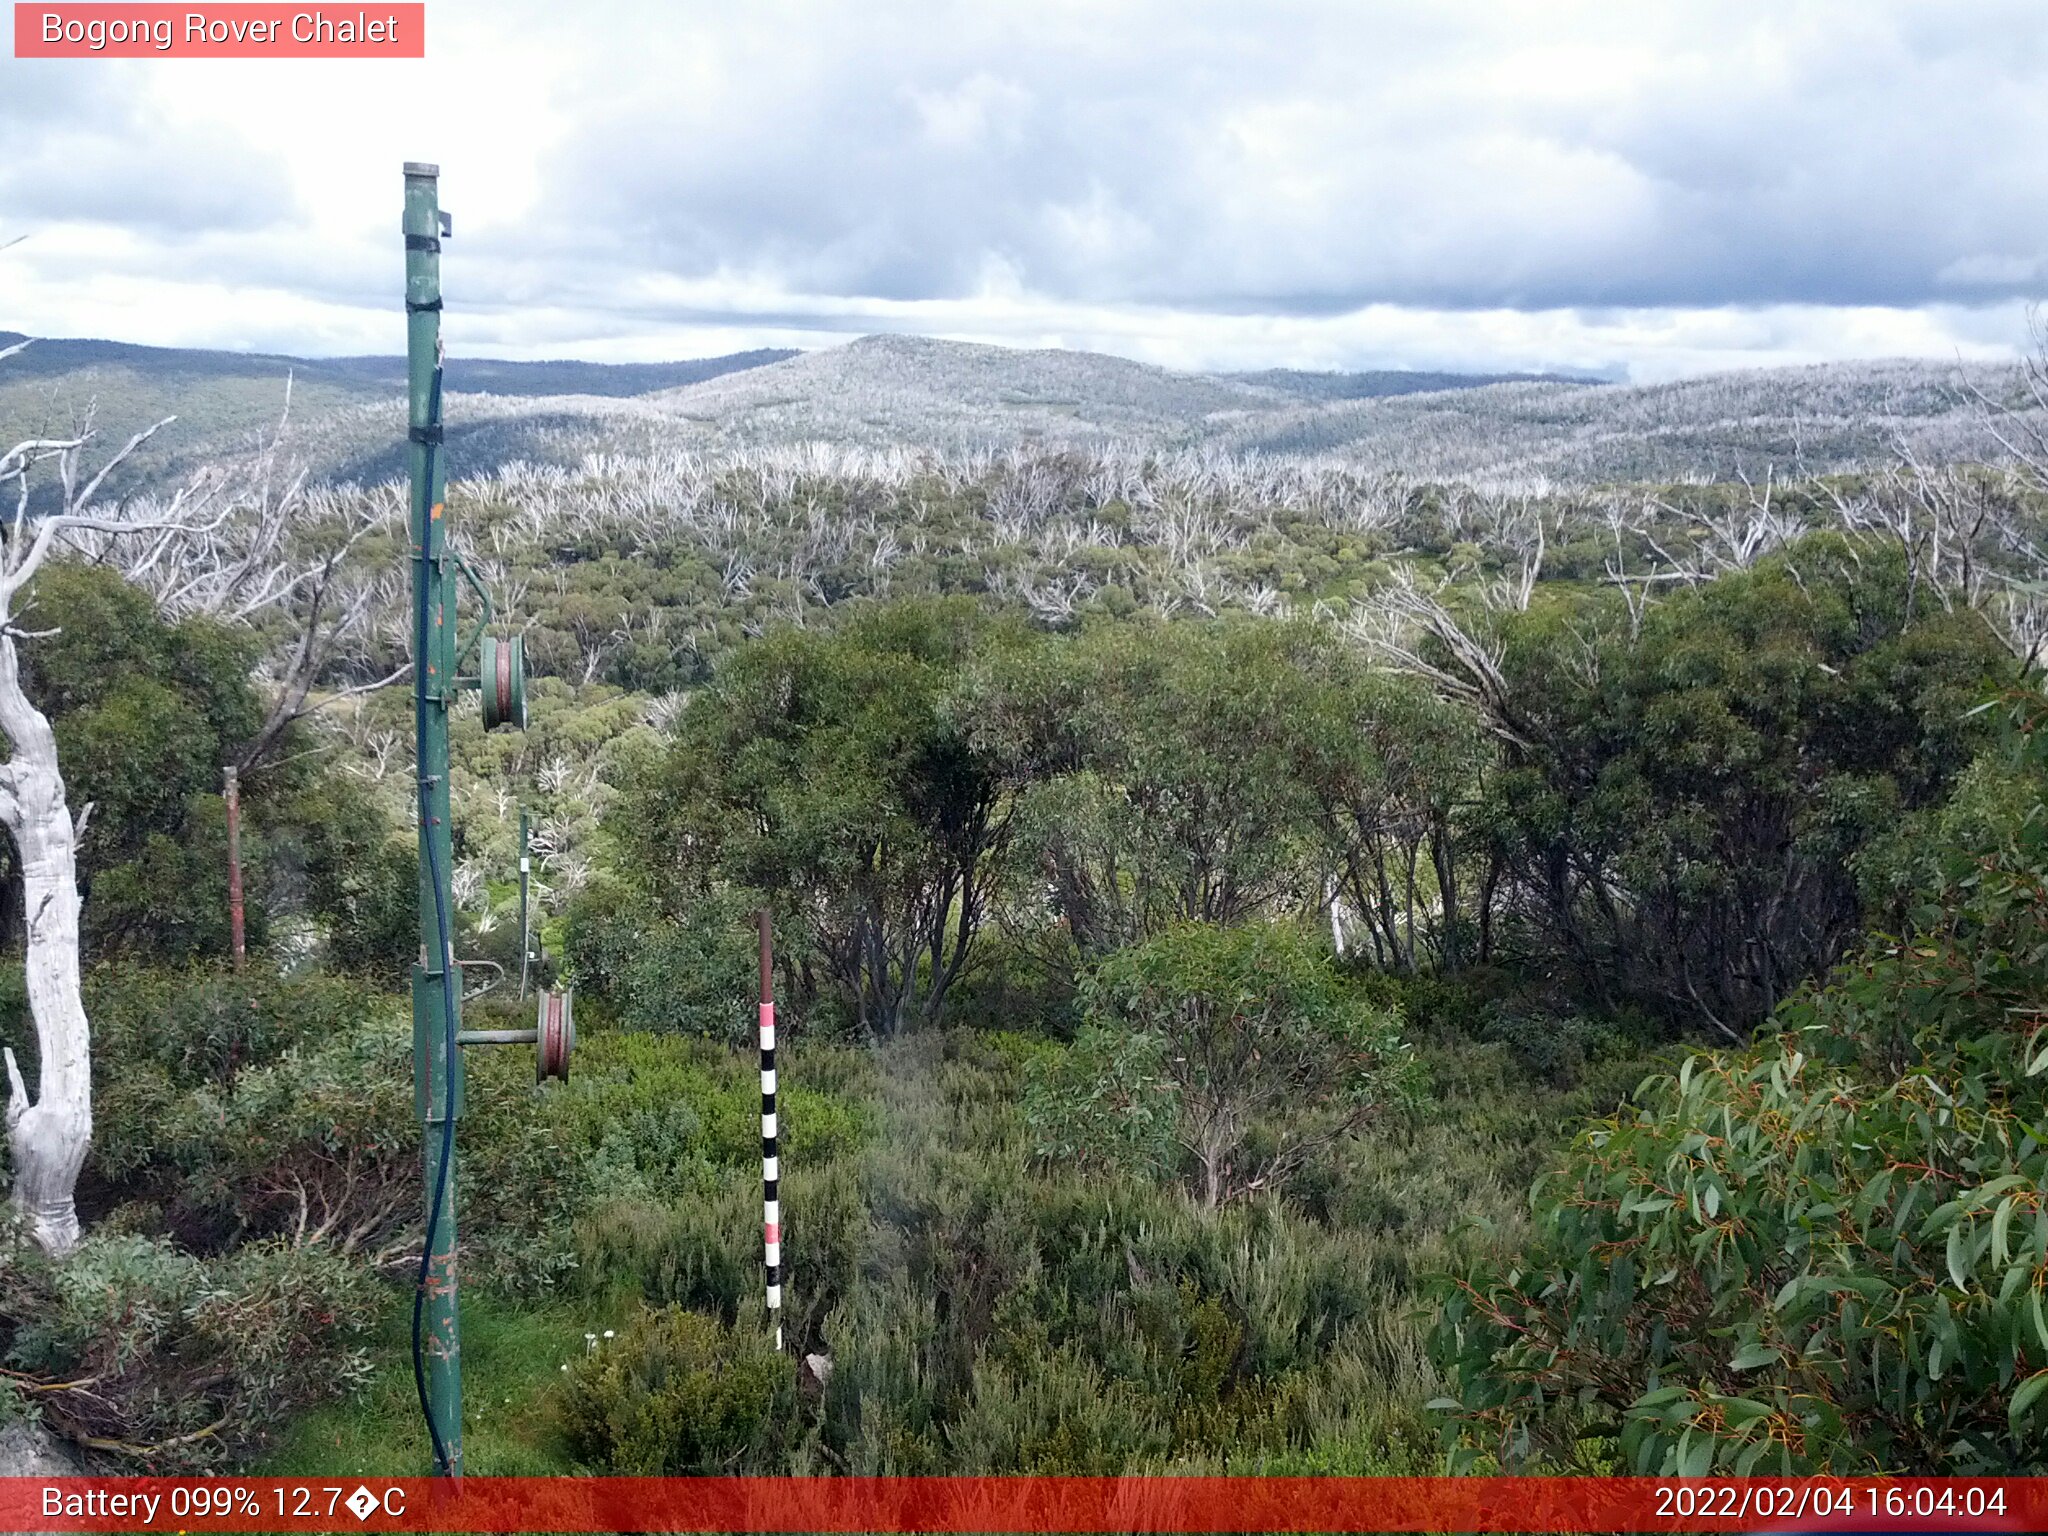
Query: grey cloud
x=190, y=190
x=814, y=166
x=1303, y=167
x=39, y=92
x=76, y=143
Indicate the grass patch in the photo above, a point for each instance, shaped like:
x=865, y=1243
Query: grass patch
x=511, y=1360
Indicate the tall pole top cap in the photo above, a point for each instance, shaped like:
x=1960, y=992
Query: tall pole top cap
x=421, y=168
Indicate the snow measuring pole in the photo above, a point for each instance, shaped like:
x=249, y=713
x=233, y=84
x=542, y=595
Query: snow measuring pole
x=771, y=1161
x=436, y=980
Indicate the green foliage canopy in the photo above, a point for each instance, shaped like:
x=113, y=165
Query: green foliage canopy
x=145, y=713
x=1683, y=796
x=1830, y=1253
x=829, y=771
x=1163, y=770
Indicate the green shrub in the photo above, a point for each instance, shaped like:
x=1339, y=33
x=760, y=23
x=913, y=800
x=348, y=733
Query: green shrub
x=657, y=1117
x=825, y=1219
x=522, y=1185
x=1775, y=1267
x=993, y=1312
x=203, y=1023
x=1562, y=1049
x=1059, y=1418
x=191, y=1361
x=678, y=1394
x=1359, y=1415
x=1103, y=1103
x=1432, y=1003
x=884, y=1402
x=321, y=1146
x=1239, y=1046
x=245, y=1106
x=236, y=1107
x=642, y=1172
x=1019, y=987
x=703, y=1254
x=695, y=976
x=1011, y=1050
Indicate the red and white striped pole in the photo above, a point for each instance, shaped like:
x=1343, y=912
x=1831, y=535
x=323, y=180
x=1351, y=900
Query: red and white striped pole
x=771, y=1169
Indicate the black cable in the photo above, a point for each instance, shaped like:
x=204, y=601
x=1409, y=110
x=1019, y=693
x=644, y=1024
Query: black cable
x=445, y=950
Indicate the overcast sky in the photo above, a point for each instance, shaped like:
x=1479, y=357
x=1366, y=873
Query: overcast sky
x=1643, y=189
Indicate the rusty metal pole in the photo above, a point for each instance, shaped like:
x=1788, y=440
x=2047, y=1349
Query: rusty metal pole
x=232, y=791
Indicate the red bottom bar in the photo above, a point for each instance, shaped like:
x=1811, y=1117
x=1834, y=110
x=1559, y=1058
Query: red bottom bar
x=996, y=1504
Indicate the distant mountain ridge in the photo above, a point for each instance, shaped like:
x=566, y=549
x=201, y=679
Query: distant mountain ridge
x=1377, y=384
x=893, y=391
x=342, y=408
x=952, y=396
x=890, y=389
x=54, y=356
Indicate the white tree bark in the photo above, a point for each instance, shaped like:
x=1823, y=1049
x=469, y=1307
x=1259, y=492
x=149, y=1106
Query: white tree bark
x=48, y=1135
x=46, y=1138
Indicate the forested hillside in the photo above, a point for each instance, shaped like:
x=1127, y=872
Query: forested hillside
x=223, y=400
x=892, y=394
x=1210, y=886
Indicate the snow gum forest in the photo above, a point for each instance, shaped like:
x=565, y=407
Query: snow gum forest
x=1325, y=923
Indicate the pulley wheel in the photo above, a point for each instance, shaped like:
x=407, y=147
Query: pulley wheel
x=502, y=665
x=557, y=1037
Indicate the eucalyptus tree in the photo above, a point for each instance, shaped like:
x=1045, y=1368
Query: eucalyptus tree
x=1826, y=1253
x=1234, y=1051
x=829, y=772
x=1395, y=774
x=1684, y=789
x=1163, y=773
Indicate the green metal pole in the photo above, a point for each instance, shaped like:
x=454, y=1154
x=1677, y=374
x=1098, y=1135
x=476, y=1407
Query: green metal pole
x=436, y=982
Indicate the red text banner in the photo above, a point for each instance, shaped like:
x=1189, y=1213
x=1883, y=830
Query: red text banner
x=231, y=31
x=1019, y=1504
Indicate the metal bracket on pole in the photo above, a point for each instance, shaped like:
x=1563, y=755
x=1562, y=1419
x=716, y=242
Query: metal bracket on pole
x=553, y=1036
x=483, y=593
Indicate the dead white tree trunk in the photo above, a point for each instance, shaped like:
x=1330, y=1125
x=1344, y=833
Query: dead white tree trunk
x=46, y=1138
x=48, y=1135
